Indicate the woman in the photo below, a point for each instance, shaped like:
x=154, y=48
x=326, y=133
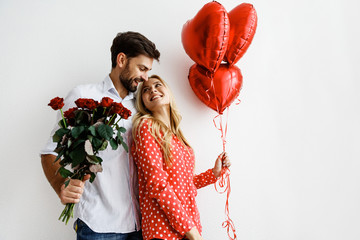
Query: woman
x=165, y=161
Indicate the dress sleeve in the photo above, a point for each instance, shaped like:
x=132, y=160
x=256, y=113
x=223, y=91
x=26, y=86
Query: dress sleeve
x=150, y=162
x=204, y=179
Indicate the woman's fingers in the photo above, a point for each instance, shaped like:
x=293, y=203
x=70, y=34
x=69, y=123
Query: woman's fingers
x=226, y=160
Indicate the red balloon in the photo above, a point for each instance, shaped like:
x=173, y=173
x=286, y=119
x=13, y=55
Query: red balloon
x=205, y=37
x=217, y=90
x=243, y=21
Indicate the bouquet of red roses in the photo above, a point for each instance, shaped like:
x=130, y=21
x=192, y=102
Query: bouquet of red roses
x=84, y=131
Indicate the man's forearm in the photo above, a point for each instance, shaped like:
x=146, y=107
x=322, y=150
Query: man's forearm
x=50, y=168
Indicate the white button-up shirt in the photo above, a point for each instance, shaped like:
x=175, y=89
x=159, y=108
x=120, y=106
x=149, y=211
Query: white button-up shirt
x=110, y=203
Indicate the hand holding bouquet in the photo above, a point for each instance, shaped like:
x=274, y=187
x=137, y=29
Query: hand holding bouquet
x=84, y=131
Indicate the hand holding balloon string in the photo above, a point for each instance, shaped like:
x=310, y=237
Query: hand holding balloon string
x=221, y=164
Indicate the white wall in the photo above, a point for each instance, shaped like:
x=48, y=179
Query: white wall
x=294, y=139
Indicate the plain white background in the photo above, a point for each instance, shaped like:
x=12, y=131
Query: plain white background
x=293, y=140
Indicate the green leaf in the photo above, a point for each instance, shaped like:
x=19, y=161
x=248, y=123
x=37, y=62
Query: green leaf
x=92, y=177
x=90, y=137
x=59, y=134
x=99, y=159
x=92, y=130
x=61, y=123
x=113, y=144
x=58, y=148
x=64, y=172
x=122, y=129
x=92, y=159
x=65, y=161
x=67, y=182
x=118, y=134
x=77, y=143
x=60, y=154
x=76, y=131
x=120, y=139
x=78, y=156
x=105, y=131
x=125, y=146
x=96, y=143
x=56, y=138
x=103, y=146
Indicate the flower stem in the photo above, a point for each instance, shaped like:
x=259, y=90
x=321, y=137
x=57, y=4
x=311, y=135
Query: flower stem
x=67, y=213
x=117, y=122
x=62, y=115
x=92, y=117
x=108, y=123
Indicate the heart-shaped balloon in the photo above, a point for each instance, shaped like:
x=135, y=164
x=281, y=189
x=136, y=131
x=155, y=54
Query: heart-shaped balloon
x=243, y=21
x=205, y=37
x=217, y=90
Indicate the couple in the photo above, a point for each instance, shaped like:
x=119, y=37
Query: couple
x=164, y=176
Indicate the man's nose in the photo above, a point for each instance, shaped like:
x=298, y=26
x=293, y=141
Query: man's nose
x=144, y=77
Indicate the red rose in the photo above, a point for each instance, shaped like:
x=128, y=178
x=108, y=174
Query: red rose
x=69, y=114
x=86, y=103
x=80, y=102
x=56, y=103
x=106, y=102
x=125, y=113
x=91, y=104
x=116, y=108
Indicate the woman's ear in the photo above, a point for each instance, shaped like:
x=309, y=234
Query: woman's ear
x=121, y=59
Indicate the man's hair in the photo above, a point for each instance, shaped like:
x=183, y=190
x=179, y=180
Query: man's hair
x=132, y=44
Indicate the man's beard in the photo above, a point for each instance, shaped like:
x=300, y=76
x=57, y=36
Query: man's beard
x=127, y=81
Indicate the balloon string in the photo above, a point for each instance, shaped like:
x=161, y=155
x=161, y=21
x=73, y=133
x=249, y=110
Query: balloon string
x=223, y=130
x=224, y=180
x=224, y=183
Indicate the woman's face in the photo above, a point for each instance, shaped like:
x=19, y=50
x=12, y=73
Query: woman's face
x=155, y=94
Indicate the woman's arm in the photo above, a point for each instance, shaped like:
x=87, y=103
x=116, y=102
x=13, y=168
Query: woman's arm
x=211, y=175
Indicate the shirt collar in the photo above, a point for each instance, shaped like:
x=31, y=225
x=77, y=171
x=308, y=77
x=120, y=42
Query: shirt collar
x=109, y=87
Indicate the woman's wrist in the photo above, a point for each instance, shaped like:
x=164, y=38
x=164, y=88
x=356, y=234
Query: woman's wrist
x=216, y=172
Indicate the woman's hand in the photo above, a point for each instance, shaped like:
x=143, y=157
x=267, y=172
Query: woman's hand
x=193, y=234
x=221, y=162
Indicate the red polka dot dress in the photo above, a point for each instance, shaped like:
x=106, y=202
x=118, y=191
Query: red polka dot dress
x=167, y=194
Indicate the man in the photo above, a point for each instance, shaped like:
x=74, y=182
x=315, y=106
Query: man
x=108, y=208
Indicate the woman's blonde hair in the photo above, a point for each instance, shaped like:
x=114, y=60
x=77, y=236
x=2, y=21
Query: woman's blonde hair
x=159, y=130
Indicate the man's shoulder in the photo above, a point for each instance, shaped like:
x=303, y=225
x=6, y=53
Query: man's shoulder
x=90, y=86
x=87, y=90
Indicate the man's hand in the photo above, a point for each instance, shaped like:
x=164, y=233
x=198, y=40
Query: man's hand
x=70, y=194
x=73, y=192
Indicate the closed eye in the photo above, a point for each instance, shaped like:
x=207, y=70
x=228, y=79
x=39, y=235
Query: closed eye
x=143, y=68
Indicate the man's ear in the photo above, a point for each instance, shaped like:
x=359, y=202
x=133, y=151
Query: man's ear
x=121, y=59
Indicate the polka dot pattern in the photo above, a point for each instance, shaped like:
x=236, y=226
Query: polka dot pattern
x=167, y=194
